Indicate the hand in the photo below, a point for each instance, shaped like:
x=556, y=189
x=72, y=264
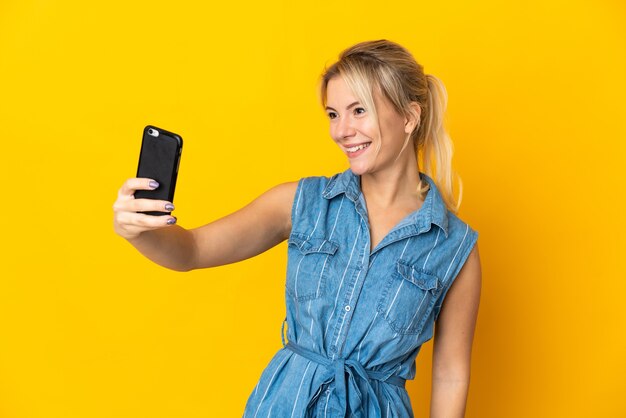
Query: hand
x=126, y=221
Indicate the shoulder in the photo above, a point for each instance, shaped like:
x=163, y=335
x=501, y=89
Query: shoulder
x=460, y=259
x=465, y=245
x=450, y=253
x=288, y=196
x=318, y=183
x=310, y=189
x=459, y=231
x=462, y=248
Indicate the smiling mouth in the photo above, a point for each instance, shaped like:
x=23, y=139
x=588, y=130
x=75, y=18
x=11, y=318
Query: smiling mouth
x=357, y=148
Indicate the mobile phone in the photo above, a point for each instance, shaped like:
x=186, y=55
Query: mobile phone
x=159, y=159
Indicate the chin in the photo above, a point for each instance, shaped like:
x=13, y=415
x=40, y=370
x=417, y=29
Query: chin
x=358, y=168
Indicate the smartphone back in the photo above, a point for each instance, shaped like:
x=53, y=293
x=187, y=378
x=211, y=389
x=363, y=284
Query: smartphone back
x=159, y=160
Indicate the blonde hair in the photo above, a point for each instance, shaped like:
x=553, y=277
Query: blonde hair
x=390, y=69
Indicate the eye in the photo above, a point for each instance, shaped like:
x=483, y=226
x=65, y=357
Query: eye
x=358, y=110
x=332, y=115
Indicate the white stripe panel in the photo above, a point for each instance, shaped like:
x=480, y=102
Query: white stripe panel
x=326, y=407
x=431, y=250
x=424, y=267
x=316, y=222
x=342, y=279
x=320, y=281
x=299, y=389
x=299, y=195
x=457, y=251
x=270, y=384
x=358, y=354
x=401, y=282
x=343, y=320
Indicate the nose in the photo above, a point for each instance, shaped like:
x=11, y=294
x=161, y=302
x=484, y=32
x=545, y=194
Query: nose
x=345, y=128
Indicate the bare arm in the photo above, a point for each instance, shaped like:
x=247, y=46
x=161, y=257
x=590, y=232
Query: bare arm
x=170, y=247
x=253, y=229
x=454, y=334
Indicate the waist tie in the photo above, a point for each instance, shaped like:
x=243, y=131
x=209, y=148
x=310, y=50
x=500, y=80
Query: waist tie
x=348, y=394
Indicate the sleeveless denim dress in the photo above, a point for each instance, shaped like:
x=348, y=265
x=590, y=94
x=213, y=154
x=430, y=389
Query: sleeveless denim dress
x=357, y=317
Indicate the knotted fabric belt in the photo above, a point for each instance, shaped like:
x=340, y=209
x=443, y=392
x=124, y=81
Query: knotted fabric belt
x=349, y=394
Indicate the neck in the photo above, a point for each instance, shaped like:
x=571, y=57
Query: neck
x=388, y=189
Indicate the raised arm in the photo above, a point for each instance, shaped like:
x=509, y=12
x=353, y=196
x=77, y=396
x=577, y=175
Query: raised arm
x=454, y=334
x=253, y=229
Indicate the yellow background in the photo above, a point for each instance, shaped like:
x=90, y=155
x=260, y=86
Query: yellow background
x=90, y=328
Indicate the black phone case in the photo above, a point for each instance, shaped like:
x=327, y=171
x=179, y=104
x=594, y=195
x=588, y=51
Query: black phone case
x=159, y=160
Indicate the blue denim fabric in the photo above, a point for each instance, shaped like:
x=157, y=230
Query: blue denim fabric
x=357, y=317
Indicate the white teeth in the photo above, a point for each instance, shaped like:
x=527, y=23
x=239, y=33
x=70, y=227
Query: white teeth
x=358, y=147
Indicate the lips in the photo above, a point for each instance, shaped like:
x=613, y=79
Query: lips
x=346, y=146
x=358, y=152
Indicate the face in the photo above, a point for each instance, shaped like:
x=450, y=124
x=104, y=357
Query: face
x=352, y=125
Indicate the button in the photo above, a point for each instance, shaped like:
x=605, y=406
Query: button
x=327, y=391
x=347, y=308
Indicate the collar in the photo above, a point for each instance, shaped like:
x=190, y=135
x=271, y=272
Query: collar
x=433, y=210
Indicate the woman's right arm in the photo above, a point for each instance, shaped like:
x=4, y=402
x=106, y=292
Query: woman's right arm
x=253, y=229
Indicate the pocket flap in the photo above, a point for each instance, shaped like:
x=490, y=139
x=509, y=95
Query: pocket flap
x=418, y=277
x=313, y=245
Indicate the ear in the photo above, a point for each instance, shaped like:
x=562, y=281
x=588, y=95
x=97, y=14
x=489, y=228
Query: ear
x=413, y=121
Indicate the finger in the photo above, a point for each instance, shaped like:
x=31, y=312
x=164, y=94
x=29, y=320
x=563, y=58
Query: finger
x=137, y=183
x=142, y=205
x=142, y=221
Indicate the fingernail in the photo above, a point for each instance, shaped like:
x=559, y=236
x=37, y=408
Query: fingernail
x=171, y=221
x=169, y=206
x=154, y=184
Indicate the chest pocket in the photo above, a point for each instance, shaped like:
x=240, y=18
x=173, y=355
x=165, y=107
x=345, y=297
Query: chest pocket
x=308, y=266
x=408, y=298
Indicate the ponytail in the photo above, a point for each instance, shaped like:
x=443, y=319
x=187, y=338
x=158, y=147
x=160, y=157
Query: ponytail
x=437, y=148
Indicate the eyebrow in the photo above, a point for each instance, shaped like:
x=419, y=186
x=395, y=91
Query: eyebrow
x=347, y=108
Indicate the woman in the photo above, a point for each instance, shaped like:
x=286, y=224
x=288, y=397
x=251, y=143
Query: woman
x=373, y=252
